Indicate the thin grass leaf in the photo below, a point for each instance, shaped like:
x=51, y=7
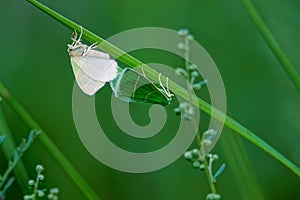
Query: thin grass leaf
x=8, y=147
x=6, y=186
x=243, y=175
x=285, y=62
x=17, y=155
x=48, y=143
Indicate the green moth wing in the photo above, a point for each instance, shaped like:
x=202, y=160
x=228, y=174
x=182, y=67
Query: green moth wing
x=133, y=86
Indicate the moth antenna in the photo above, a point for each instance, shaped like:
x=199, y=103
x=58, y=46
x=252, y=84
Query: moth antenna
x=74, y=37
x=167, y=83
x=147, y=77
x=79, y=38
x=81, y=31
x=143, y=72
x=159, y=75
x=163, y=87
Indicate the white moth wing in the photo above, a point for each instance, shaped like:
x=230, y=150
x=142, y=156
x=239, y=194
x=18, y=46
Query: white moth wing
x=99, y=54
x=98, y=66
x=86, y=84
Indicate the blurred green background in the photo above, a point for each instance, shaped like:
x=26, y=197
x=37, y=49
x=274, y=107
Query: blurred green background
x=36, y=68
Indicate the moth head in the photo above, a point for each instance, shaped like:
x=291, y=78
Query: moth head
x=76, y=50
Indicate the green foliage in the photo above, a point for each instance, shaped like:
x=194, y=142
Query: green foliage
x=197, y=156
x=38, y=193
x=49, y=144
x=5, y=180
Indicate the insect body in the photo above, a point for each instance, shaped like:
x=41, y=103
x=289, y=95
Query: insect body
x=92, y=68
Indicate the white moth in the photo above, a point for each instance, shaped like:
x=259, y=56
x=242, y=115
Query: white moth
x=92, y=68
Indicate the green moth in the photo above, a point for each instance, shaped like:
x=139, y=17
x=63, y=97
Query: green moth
x=133, y=86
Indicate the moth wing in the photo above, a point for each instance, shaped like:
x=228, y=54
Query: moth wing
x=131, y=86
x=98, y=66
x=86, y=84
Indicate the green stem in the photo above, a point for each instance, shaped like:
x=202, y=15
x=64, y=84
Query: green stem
x=190, y=91
x=152, y=74
x=17, y=155
x=208, y=175
x=36, y=185
x=6, y=187
x=273, y=44
x=9, y=147
x=52, y=148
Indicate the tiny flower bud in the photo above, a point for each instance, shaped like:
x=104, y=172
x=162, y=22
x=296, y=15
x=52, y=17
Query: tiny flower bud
x=39, y=168
x=183, y=32
x=207, y=142
x=41, y=177
x=196, y=164
x=212, y=196
x=195, y=152
x=195, y=74
x=201, y=167
x=28, y=197
x=190, y=37
x=54, y=190
x=177, y=111
x=188, y=155
x=180, y=46
x=40, y=193
x=31, y=182
x=192, y=66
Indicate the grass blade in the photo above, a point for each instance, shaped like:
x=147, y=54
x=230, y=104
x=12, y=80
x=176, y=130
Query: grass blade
x=47, y=142
x=8, y=148
x=273, y=44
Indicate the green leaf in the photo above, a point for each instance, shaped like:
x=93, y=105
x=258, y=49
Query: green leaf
x=219, y=171
x=2, y=138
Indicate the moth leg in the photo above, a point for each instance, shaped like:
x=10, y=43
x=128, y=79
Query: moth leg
x=167, y=83
x=87, y=50
x=161, y=85
x=159, y=75
x=167, y=92
x=74, y=37
x=81, y=31
x=93, y=45
x=143, y=72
